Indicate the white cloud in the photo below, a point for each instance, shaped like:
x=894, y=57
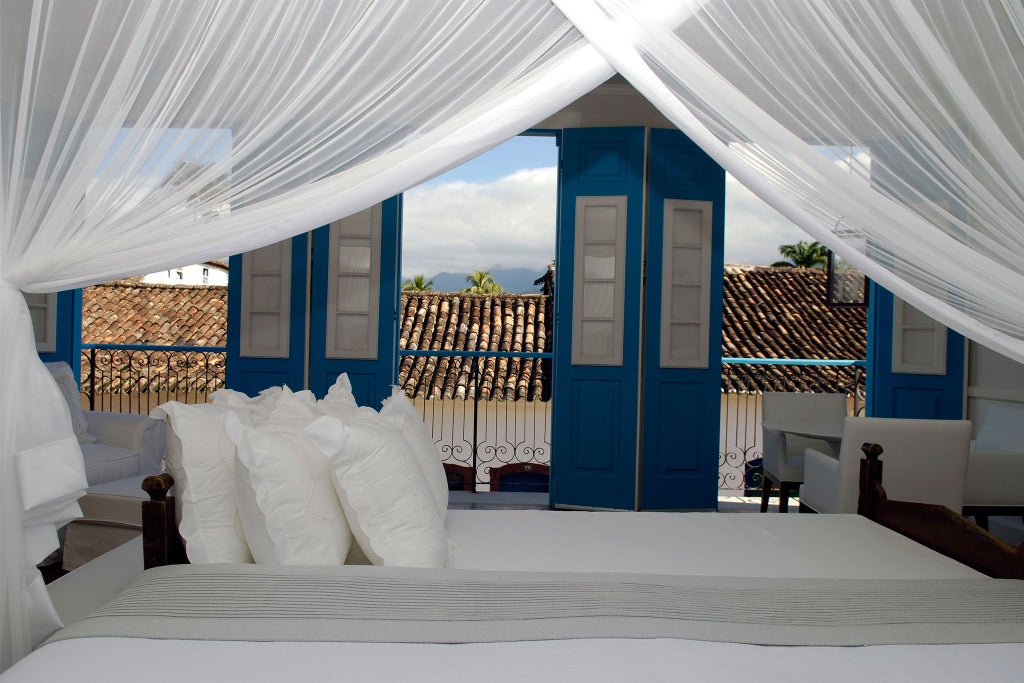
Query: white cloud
x=510, y=222
x=463, y=226
x=754, y=230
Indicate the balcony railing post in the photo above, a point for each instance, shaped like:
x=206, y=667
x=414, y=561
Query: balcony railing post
x=92, y=379
x=474, y=377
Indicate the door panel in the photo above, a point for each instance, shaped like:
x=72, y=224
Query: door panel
x=266, y=324
x=683, y=328
x=597, y=359
x=354, y=302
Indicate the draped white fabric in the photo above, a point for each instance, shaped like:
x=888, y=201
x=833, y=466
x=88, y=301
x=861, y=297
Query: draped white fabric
x=140, y=135
x=136, y=136
x=890, y=131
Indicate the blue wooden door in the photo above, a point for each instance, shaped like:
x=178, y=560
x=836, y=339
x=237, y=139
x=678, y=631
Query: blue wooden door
x=915, y=366
x=267, y=306
x=683, y=326
x=354, y=302
x=595, y=399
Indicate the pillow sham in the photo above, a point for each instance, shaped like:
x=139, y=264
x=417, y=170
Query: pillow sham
x=296, y=507
x=386, y=500
x=339, y=401
x=203, y=471
x=402, y=414
x=68, y=385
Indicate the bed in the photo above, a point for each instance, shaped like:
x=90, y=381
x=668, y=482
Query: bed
x=584, y=595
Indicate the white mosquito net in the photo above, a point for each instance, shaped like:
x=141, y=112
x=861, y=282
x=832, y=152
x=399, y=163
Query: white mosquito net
x=136, y=136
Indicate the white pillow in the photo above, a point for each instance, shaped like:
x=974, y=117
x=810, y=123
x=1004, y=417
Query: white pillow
x=297, y=508
x=386, y=500
x=1001, y=429
x=254, y=523
x=339, y=401
x=260, y=407
x=203, y=474
x=68, y=386
x=402, y=414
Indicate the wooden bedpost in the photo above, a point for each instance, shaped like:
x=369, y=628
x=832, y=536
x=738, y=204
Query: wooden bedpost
x=935, y=526
x=161, y=543
x=870, y=480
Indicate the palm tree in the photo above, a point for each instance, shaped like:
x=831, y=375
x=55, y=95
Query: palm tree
x=418, y=283
x=803, y=255
x=482, y=282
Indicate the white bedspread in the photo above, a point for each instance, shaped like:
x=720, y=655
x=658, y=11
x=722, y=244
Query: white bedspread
x=702, y=544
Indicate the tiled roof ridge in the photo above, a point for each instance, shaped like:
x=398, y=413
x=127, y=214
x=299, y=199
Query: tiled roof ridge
x=131, y=283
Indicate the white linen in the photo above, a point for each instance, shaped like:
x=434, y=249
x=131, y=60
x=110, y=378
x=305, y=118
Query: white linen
x=386, y=500
x=400, y=411
x=212, y=128
x=695, y=543
x=100, y=659
x=68, y=385
x=204, y=481
x=291, y=481
x=889, y=131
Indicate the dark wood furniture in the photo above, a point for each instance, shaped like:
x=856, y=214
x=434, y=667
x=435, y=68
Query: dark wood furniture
x=934, y=526
x=521, y=476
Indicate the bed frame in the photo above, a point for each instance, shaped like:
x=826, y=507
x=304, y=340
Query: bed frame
x=934, y=526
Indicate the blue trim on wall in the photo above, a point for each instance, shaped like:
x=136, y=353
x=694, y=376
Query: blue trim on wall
x=594, y=420
x=679, y=457
x=251, y=375
x=68, y=347
x=891, y=394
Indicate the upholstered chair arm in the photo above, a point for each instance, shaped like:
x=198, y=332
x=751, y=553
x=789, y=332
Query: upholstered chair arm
x=994, y=478
x=821, y=489
x=139, y=433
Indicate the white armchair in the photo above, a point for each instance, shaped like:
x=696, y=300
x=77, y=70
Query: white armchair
x=783, y=461
x=925, y=462
x=995, y=469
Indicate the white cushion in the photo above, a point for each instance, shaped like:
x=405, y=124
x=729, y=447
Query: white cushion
x=386, y=500
x=402, y=414
x=1001, y=428
x=203, y=471
x=260, y=407
x=68, y=386
x=339, y=401
x=297, y=507
x=254, y=522
x=109, y=463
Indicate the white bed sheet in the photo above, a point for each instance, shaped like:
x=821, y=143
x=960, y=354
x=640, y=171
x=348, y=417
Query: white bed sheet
x=112, y=659
x=843, y=546
x=696, y=544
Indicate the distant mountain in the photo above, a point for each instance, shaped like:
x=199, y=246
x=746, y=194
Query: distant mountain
x=512, y=280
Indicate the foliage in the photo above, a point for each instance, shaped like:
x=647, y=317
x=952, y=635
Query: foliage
x=481, y=282
x=418, y=283
x=803, y=255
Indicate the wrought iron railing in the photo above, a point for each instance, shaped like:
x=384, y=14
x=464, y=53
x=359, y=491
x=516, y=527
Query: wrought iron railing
x=135, y=378
x=744, y=380
x=479, y=433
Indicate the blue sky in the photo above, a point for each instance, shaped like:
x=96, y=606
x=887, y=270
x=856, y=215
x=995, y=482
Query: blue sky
x=498, y=211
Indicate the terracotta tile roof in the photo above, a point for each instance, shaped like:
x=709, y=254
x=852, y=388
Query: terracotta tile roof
x=475, y=322
x=781, y=313
x=131, y=312
x=767, y=313
x=127, y=312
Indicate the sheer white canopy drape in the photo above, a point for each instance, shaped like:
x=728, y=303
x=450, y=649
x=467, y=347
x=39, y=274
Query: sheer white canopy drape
x=135, y=136
x=890, y=131
x=139, y=135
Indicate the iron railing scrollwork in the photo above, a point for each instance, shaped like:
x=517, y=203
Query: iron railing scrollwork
x=135, y=378
x=482, y=433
